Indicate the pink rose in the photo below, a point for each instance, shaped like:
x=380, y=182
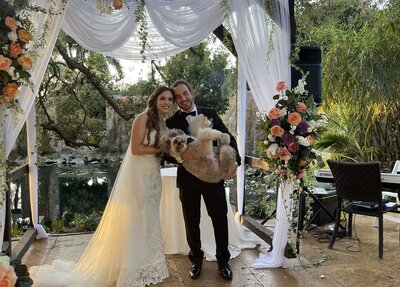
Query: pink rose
x=11, y=23
x=274, y=113
x=25, y=62
x=5, y=63
x=283, y=153
x=292, y=147
x=281, y=85
x=301, y=107
x=277, y=131
x=300, y=175
x=294, y=118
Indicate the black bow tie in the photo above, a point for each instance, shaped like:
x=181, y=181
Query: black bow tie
x=186, y=114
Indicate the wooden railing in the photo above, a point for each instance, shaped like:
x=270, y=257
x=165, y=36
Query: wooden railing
x=22, y=246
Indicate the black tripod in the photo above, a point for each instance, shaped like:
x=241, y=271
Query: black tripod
x=301, y=214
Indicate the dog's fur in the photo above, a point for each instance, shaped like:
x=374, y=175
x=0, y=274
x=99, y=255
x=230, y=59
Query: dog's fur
x=211, y=163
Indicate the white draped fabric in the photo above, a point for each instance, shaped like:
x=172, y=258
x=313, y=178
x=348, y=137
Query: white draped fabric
x=262, y=43
x=13, y=123
x=276, y=258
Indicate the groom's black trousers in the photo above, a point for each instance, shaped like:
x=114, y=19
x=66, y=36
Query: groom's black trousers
x=190, y=191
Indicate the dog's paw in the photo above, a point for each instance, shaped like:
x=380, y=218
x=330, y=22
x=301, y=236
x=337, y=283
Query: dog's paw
x=209, y=134
x=225, y=139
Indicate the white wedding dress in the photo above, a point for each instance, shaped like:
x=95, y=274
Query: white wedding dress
x=127, y=248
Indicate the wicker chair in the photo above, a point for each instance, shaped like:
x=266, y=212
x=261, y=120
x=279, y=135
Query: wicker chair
x=358, y=182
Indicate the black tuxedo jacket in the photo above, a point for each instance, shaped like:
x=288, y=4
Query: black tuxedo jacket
x=177, y=120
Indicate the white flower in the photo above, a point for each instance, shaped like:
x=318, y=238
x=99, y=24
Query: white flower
x=300, y=87
x=271, y=138
x=285, y=98
x=11, y=72
x=266, y=142
x=12, y=36
x=272, y=150
x=302, y=141
x=283, y=112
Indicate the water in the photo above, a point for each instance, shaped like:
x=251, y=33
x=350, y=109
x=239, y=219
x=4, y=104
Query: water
x=72, y=189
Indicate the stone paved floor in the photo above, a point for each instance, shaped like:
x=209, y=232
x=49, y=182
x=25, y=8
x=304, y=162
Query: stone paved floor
x=349, y=263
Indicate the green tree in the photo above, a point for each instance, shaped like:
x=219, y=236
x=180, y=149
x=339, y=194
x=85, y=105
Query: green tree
x=209, y=74
x=360, y=74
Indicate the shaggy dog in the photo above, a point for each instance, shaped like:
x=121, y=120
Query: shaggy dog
x=211, y=163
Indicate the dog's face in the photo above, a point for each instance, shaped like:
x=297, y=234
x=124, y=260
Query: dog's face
x=173, y=142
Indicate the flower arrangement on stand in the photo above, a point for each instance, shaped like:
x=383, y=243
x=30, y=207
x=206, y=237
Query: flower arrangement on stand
x=289, y=131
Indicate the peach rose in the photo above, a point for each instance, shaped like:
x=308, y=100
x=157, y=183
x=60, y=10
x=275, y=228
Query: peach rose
x=300, y=175
x=302, y=162
x=294, y=118
x=5, y=63
x=24, y=35
x=274, y=113
x=123, y=99
x=10, y=90
x=292, y=147
x=15, y=49
x=310, y=139
x=11, y=23
x=301, y=107
x=277, y=131
x=117, y=4
x=280, y=86
x=280, y=171
x=25, y=62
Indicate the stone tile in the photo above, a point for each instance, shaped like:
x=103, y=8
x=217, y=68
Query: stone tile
x=316, y=266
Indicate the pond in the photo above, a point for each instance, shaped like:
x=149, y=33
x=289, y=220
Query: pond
x=73, y=189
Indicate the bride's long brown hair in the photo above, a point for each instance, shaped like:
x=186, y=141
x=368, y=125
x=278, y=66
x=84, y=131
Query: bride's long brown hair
x=153, y=120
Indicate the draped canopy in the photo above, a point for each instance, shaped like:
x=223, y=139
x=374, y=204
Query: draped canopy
x=261, y=39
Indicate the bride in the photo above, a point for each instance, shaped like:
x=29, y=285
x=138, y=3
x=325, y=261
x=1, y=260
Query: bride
x=126, y=250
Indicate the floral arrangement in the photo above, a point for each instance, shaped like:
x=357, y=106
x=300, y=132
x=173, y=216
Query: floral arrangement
x=12, y=271
x=15, y=59
x=290, y=129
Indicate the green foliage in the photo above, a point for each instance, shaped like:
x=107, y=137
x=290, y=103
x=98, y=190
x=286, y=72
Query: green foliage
x=16, y=230
x=209, y=75
x=360, y=73
x=74, y=222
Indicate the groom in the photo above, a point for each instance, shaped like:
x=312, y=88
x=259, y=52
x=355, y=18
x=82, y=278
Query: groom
x=191, y=188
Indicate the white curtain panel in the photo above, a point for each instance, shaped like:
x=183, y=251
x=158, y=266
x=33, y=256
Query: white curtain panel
x=263, y=49
x=173, y=26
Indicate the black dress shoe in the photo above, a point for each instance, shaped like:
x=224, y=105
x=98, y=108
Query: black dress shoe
x=195, y=271
x=225, y=271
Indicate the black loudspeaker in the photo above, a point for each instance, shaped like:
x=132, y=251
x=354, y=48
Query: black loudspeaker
x=310, y=60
